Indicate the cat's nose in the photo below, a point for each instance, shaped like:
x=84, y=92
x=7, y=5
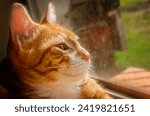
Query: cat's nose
x=84, y=54
x=85, y=57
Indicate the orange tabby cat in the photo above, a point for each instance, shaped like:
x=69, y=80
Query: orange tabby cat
x=48, y=59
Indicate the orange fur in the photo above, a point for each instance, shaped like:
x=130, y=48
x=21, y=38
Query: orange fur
x=90, y=89
x=49, y=60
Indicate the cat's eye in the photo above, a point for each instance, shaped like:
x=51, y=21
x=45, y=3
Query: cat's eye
x=63, y=46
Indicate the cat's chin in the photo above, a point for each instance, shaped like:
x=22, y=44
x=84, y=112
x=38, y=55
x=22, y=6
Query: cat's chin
x=75, y=76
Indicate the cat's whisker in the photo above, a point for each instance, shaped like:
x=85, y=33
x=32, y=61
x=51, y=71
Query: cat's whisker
x=91, y=68
x=91, y=71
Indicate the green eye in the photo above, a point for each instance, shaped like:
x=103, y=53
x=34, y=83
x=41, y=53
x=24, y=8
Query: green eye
x=63, y=46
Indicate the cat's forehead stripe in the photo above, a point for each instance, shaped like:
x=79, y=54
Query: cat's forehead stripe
x=52, y=41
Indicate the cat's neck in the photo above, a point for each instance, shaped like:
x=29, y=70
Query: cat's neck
x=64, y=87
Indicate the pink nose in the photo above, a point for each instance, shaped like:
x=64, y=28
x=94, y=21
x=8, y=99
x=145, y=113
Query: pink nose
x=84, y=54
x=85, y=57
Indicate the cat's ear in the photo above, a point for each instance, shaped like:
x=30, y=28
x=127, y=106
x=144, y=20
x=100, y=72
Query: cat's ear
x=50, y=15
x=21, y=24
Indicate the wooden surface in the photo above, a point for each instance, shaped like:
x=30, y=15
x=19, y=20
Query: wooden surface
x=130, y=83
x=135, y=78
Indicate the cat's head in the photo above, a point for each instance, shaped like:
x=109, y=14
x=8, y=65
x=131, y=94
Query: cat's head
x=44, y=48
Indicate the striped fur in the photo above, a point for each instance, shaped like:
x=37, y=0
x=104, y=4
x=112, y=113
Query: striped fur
x=49, y=60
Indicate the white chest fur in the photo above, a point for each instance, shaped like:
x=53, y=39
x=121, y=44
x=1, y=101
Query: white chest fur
x=59, y=90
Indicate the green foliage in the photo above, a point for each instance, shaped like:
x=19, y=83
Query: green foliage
x=137, y=27
x=127, y=3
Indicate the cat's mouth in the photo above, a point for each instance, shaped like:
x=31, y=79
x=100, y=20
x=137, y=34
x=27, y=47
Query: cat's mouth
x=78, y=68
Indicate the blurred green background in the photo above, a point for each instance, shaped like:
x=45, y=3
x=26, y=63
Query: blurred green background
x=136, y=19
